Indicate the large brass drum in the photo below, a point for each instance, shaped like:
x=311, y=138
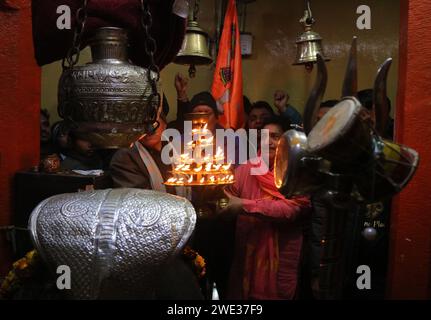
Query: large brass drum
x=342, y=136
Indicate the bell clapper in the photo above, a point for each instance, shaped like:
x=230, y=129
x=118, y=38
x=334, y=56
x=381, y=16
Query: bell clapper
x=309, y=67
x=192, y=71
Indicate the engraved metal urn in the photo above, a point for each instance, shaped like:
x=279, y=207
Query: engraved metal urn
x=114, y=241
x=111, y=101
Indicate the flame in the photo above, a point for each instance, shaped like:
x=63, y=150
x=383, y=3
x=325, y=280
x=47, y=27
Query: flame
x=226, y=167
x=190, y=143
x=202, y=169
x=179, y=167
x=186, y=168
x=207, y=141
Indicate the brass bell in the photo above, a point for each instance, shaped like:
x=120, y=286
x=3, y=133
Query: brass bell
x=309, y=43
x=194, y=50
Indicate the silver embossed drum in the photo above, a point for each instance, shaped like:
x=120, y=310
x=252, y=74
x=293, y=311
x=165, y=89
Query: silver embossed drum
x=112, y=240
x=341, y=135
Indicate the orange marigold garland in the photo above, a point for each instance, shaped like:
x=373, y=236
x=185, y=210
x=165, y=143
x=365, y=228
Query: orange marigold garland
x=22, y=270
x=197, y=261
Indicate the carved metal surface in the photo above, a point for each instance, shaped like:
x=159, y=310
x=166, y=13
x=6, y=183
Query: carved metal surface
x=109, y=99
x=113, y=240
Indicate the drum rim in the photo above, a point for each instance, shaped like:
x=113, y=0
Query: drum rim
x=356, y=111
x=295, y=151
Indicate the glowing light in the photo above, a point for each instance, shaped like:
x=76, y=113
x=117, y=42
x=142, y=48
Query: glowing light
x=196, y=166
x=227, y=166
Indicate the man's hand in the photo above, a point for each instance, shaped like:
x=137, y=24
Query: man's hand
x=280, y=100
x=181, y=83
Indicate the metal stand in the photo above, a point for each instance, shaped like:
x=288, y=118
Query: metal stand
x=335, y=199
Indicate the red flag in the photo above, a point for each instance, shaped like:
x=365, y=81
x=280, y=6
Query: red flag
x=227, y=82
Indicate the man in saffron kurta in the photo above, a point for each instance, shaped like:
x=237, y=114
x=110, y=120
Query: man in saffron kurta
x=268, y=237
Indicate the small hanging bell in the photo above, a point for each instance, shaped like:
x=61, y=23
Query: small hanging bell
x=309, y=43
x=194, y=50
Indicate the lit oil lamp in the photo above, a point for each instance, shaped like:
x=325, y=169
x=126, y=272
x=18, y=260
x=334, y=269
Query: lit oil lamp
x=201, y=171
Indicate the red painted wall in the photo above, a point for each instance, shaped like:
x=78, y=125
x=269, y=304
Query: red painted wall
x=19, y=106
x=410, y=253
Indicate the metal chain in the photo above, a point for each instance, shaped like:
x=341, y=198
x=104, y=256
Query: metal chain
x=309, y=15
x=150, y=47
x=196, y=10
x=74, y=52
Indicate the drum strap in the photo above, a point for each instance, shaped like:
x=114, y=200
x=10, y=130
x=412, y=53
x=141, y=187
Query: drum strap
x=156, y=178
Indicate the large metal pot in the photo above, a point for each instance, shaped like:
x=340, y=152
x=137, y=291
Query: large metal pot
x=109, y=98
x=114, y=241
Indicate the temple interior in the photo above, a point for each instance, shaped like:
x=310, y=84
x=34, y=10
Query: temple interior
x=215, y=150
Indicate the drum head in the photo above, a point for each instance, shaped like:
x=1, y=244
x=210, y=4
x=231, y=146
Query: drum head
x=334, y=124
x=394, y=166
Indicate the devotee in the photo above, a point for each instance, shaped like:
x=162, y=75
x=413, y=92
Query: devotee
x=285, y=110
x=141, y=166
x=60, y=138
x=366, y=98
x=183, y=103
x=205, y=102
x=268, y=237
x=80, y=154
x=46, y=147
x=247, y=106
x=260, y=112
x=325, y=107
